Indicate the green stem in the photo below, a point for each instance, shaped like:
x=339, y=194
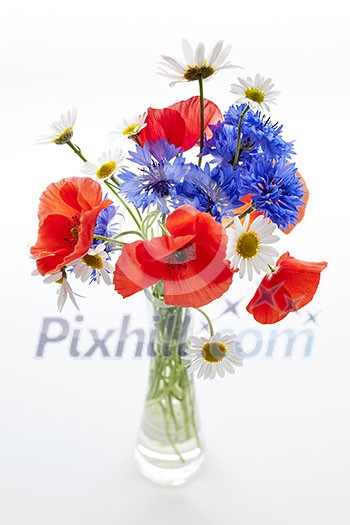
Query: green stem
x=115, y=180
x=241, y=216
x=135, y=138
x=76, y=150
x=163, y=228
x=149, y=220
x=130, y=232
x=238, y=145
x=110, y=186
x=114, y=239
x=107, y=239
x=168, y=433
x=117, y=185
x=170, y=387
x=210, y=324
x=192, y=404
x=201, y=99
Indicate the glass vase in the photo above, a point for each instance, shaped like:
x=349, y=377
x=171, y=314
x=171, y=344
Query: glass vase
x=169, y=448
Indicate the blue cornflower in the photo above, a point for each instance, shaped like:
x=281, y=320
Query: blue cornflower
x=276, y=190
x=154, y=184
x=108, y=225
x=223, y=143
x=215, y=192
x=258, y=131
x=160, y=150
x=230, y=181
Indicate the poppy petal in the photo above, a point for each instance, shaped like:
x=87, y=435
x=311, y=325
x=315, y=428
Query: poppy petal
x=70, y=196
x=190, y=288
x=67, y=213
x=179, y=123
x=191, y=261
x=143, y=263
x=290, y=287
x=190, y=111
x=129, y=276
x=165, y=123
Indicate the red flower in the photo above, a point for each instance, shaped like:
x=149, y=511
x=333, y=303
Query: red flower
x=67, y=215
x=179, y=124
x=290, y=287
x=191, y=261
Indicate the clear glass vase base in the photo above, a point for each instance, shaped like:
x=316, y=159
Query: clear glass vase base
x=166, y=467
x=168, y=449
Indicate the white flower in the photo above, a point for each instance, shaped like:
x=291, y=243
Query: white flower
x=61, y=130
x=257, y=93
x=212, y=356
x=64, y=290
x=130, y=127
x=108, y=164
x=95, y=264
x=196, y=65
x=246, y=248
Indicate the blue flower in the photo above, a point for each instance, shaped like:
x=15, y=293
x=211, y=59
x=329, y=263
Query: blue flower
x=107, y=225
x=160, y=150
x=154, y=184
x=258, y=131
x=223, y=144
x=216, y=192
x=276, y=190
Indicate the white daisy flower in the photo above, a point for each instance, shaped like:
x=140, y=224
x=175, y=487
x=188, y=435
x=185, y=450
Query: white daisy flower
x=95, y=264
x=130, y=127
x=64, y=290
x=196, y=65
x=247, y=245
x=62, y=129
x=257, y=93
x=212, y=356
x=108, y=164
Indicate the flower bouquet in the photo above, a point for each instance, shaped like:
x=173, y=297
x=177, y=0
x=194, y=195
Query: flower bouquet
x=205, y=194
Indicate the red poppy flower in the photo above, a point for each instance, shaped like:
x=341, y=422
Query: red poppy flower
x=67, y=215
x=191, y=261
x=179, y=123
x=290, y=287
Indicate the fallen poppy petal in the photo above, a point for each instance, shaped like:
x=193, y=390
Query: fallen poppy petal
x=287, y=289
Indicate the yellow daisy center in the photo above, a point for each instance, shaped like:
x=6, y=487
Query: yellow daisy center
x=255, y=94
x=64, y=137
x=133, y=129
x=195, y=72
x=213, y=352
x=94, y=261
x=106, y=169
x=247, y=245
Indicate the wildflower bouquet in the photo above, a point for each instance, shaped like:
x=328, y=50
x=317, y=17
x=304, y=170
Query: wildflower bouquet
x=195, y=225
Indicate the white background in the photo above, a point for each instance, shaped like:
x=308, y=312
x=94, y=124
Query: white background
x=277, y=432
